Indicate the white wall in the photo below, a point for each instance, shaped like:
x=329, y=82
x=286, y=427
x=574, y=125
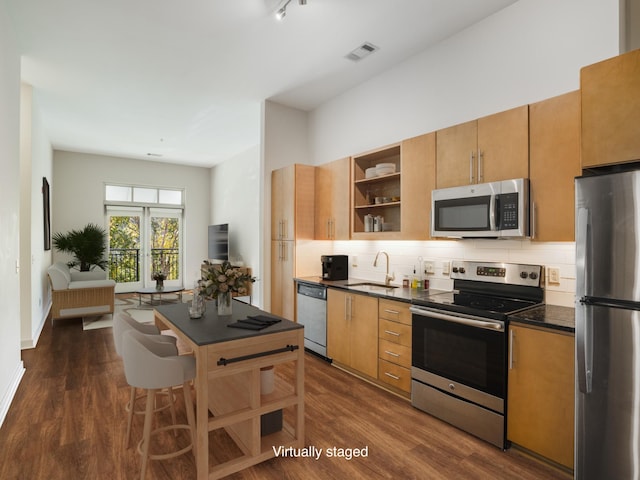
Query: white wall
x=78, y=189
x=530, y=51
x=11, y=367
x=35, y=163
x=235, y=199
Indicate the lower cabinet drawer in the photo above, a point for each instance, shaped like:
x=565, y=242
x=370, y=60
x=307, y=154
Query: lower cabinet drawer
x=394, y=332
x=394, y=375
x=394, y=353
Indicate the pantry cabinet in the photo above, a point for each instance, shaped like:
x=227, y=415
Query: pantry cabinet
x=611, y=110
x=292, y=220
x=495, y=147
x=554, y=162
x=394, y=345
x=332, y=200
x=541, y=392
x=352, y=331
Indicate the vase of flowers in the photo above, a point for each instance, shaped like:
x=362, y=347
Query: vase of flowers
x=221, y=281
x=159, y=277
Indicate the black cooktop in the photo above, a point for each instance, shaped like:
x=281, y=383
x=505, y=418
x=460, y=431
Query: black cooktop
x=493, y=301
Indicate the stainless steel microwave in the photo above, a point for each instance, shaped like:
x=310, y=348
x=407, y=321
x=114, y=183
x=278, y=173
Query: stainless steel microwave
x=485, y=210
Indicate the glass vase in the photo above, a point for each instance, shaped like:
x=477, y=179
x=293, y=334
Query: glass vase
x=224, y=303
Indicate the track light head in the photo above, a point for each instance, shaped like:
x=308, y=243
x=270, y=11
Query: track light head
x=282, y=11
x=302, y=2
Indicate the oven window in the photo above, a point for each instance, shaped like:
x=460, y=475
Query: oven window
x=474, y=357
x=463, y=214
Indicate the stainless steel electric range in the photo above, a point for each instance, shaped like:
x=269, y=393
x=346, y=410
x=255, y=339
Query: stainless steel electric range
x=459, y=341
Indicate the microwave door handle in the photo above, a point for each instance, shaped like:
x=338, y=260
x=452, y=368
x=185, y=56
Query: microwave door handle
x=493, y=208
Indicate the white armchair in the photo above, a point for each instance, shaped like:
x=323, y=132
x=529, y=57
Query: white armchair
x=78, y=294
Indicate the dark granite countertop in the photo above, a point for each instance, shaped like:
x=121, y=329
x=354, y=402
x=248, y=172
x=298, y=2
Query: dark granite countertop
x=548, y=316
x=378, y=290
x=213, y=329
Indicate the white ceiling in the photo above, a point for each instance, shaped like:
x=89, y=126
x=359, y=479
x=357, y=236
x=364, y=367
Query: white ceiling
x=185, y=79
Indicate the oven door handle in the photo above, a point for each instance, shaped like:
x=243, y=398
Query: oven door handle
x=464, y=320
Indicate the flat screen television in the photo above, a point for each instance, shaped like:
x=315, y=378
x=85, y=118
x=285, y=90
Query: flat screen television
x=219, y=242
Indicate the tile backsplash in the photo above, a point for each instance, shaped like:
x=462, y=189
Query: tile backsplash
x=404, y=255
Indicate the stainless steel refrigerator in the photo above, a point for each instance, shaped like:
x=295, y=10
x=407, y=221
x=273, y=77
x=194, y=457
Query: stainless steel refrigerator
x=608, y=326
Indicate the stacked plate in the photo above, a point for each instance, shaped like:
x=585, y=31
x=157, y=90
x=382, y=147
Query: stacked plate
x=371, y=172
x=385, y=168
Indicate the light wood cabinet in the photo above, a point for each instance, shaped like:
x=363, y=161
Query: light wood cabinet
x=495, y=147
x=611, y=110
x=418, y=179
x=352, y=331
x=540, y=404
x=292, y=219
x=332, y=200
x=394, y=345
x=554, y=162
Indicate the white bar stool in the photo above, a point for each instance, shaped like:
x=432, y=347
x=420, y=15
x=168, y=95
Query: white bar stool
x=164, y=346
x=145, y=369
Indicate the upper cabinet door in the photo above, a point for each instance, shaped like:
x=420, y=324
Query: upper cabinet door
x=332, y=200
x=492, y=148
x=292, y=202
x=611, y=111
x=418, y=156
x=456, y=149
x=503, y=145
x=554, y=163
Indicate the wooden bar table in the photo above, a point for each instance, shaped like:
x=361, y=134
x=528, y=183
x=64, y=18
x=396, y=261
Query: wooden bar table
x=228, y=363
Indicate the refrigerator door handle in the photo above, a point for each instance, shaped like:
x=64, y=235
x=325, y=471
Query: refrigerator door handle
x=584, y=347
x=583, y=253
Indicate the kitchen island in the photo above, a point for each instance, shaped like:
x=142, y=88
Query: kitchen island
x=228, y=364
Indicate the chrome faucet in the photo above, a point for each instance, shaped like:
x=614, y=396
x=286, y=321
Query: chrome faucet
x=387, y=278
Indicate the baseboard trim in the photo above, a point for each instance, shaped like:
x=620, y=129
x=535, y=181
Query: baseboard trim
x=32, y=342
x=7, y=397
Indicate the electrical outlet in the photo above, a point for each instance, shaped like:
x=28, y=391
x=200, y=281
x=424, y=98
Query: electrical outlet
x=428, y=267
x=354, y=260
x=554, y=275
x=445, y=268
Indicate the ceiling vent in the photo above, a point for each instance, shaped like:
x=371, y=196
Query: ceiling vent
x=362, y=51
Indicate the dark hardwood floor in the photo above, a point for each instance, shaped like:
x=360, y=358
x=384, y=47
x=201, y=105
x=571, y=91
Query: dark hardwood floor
x=67, y=421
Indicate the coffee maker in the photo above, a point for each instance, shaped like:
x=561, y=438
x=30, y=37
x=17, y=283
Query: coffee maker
x=335, y=267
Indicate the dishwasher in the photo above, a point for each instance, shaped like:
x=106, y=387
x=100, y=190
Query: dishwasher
x=312, y=313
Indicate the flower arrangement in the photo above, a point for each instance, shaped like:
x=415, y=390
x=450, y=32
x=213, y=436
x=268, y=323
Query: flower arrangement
x=159, y=276
x=223, y=278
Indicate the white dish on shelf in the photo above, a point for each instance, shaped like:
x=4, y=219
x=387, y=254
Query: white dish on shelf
x=385, y=168
x=371, y=172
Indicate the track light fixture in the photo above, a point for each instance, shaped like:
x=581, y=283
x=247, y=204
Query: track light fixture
x=282, y=10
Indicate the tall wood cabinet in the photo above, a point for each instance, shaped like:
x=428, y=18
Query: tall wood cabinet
x=611, y=110
x=332, y=200
x=541, y=392
x=352, y=331
x=292, y=219
x=495, y=147
x=554, y=161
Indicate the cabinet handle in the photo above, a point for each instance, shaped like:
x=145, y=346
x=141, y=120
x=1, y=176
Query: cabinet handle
x=396, y=334
x=395, y=377
x=512, y=338
x=284, y=228
x=393, y=312
x=480, y=155
x=348, y=307
x=471, y=156
x=332, y=228
x=329, y=229
x=392, y=353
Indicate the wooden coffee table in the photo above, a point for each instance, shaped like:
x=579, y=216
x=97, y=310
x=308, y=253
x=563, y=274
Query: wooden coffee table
x=152, y=291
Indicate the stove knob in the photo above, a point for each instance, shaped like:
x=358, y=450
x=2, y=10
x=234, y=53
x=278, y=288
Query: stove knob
x=454, y=269
x=533, y=275
x=523, y=275
x=461, y=270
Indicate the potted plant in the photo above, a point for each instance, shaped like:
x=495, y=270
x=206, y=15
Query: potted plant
x=88, y=246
